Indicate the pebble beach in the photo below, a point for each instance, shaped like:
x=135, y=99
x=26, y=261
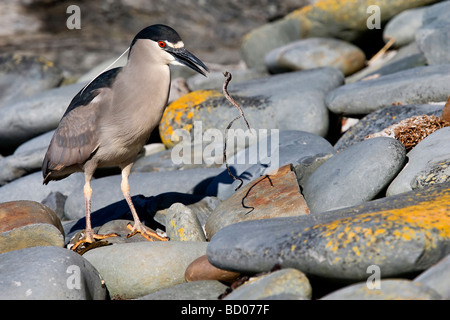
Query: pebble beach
x=344, y=194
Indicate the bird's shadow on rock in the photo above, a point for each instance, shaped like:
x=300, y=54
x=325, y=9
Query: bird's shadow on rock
x=146, y=208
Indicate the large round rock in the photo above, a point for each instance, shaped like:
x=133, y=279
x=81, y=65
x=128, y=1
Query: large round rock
x=134, y=270
x=315, y=53
x=400, y=234
x=413, y=86
x=354, y=175
x=52, y=273
x=393, y=289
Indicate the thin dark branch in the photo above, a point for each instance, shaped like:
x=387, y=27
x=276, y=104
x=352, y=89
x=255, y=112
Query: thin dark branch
x=234, y=103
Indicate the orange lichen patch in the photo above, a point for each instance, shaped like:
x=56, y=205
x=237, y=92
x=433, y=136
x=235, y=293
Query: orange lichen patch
x=193, y=99
x=325, y=5
x=356, y=250
x=180, y=113
x=428, y=220
x=350, y=13
x=46, y=63
x=340, y=10
x=181, y=233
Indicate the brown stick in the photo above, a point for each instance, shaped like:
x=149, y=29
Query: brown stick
x=234, y=103
x=383, y=50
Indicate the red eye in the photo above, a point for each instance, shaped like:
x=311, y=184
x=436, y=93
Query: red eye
x=161, y=44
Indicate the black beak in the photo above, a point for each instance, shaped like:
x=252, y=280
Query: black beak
x=188, y=59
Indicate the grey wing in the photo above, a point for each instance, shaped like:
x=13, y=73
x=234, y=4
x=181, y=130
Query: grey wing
x=87, y=94
x=75, y=139
x=73, y=143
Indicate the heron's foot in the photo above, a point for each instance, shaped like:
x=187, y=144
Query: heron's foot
x=148, y=234
x=90, y=237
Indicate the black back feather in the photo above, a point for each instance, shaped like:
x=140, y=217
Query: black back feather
x=87, y=94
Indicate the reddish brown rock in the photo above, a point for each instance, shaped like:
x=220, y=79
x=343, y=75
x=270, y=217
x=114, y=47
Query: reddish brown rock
x=26, y=224
x=201, y=269
x=270, y=196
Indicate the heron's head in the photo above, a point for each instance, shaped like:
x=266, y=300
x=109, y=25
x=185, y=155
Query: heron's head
x=164, y=42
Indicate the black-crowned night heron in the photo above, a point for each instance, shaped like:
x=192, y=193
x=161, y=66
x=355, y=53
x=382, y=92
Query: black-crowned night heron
x=109, y=121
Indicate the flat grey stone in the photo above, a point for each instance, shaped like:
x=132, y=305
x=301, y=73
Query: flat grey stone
x=390, y=289
x=408, y=57
x=432, y=37
x=29, y=117
x=435, y=12
x=427, y=153
x=262, y=40
x=437, y=277
x=20, y=164
x=296, y=98
x=315, y=53
x=26, y=158
x=403, y=27
x=56, y=201
x=163, y=161
x=133, y=270
x=285, y=281
x=30, y=187
x=22, y=76
x=40, y=142
x=196, y=290
x=414, y=86
x=354, y=175
x=107, y=190
x=433, y=40
x=48, y=273
x=284, y=296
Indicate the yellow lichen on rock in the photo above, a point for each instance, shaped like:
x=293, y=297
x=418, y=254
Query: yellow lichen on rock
x=428, y=220
x=182, y=108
